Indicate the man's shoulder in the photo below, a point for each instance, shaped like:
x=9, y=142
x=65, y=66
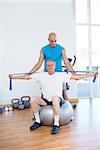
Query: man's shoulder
x=63, y=73
x=44, y=47
x=39, y=75
x=42, y=74
x=60, y=74
x=60, y=46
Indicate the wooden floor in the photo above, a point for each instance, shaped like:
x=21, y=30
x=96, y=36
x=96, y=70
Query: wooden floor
x=83, y=133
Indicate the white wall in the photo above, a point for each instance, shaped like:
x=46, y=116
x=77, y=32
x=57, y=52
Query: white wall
x=24, y=29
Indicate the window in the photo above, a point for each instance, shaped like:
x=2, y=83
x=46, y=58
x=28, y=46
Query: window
x=81, y=11
x=95, y=11
x=82, y=47
x=95, y=36
x=87, y=44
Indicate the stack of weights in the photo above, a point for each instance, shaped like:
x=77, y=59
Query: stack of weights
x=21, y=104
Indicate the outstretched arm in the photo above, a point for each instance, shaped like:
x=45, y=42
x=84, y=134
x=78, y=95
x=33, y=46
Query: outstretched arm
x=23, y=77
x=39, y=63
x=66, y=62
x=82, y=76
x=36, y=67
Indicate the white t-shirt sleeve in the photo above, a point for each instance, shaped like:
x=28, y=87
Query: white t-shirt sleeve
x=36, y=76
x=66, y=77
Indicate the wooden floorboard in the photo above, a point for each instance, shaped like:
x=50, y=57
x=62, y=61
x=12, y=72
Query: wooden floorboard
x=83, y=133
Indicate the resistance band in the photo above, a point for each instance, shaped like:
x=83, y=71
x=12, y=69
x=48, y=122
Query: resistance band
x=10, y=83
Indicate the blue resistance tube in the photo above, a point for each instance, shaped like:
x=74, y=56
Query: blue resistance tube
x=10, y=85
x=94, y=79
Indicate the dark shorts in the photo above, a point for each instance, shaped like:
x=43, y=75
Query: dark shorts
x=62, y=101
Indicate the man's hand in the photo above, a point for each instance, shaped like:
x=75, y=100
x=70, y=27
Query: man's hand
x=93, y=74
x=10, y=76
x=82, y=76
x=96, y=74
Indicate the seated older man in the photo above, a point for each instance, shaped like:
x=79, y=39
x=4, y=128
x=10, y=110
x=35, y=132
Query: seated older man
x=51, y=87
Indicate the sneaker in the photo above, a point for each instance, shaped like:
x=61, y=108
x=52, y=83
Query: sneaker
x=36, y=125
x=55, y=129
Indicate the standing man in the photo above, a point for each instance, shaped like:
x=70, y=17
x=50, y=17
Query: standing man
x=56, y=53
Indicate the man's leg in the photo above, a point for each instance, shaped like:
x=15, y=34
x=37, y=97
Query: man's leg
x=56, y=111
x=36, y=102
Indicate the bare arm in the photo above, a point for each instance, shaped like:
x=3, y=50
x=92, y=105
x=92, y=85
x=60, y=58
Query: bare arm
x=36, y=67
x=82, y=76
x=66, y=62
x=39, y=63
x=23, y=77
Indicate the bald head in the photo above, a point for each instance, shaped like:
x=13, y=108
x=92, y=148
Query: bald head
x=52, y=34
x=52, y=38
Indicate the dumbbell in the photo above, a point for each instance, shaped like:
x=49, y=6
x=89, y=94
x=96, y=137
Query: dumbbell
x=26, y=101
x=8, y=108
x=5, y=108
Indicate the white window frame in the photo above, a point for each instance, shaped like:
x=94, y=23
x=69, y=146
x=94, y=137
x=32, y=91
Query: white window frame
x=89, y=24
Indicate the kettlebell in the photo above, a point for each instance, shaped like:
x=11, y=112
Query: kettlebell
x=15, y=103
x=21, y=105
x=26, y=101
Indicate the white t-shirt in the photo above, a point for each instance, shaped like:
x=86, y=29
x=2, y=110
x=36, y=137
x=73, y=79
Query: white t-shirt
x=51, y=85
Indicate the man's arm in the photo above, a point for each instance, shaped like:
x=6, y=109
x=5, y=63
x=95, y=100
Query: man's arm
x=66, y=62
x=82, y=76
x=39, y=63
x=23, y=77
x=36, y=67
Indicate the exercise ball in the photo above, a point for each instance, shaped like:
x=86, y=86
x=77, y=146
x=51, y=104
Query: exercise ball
x=66, y=114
